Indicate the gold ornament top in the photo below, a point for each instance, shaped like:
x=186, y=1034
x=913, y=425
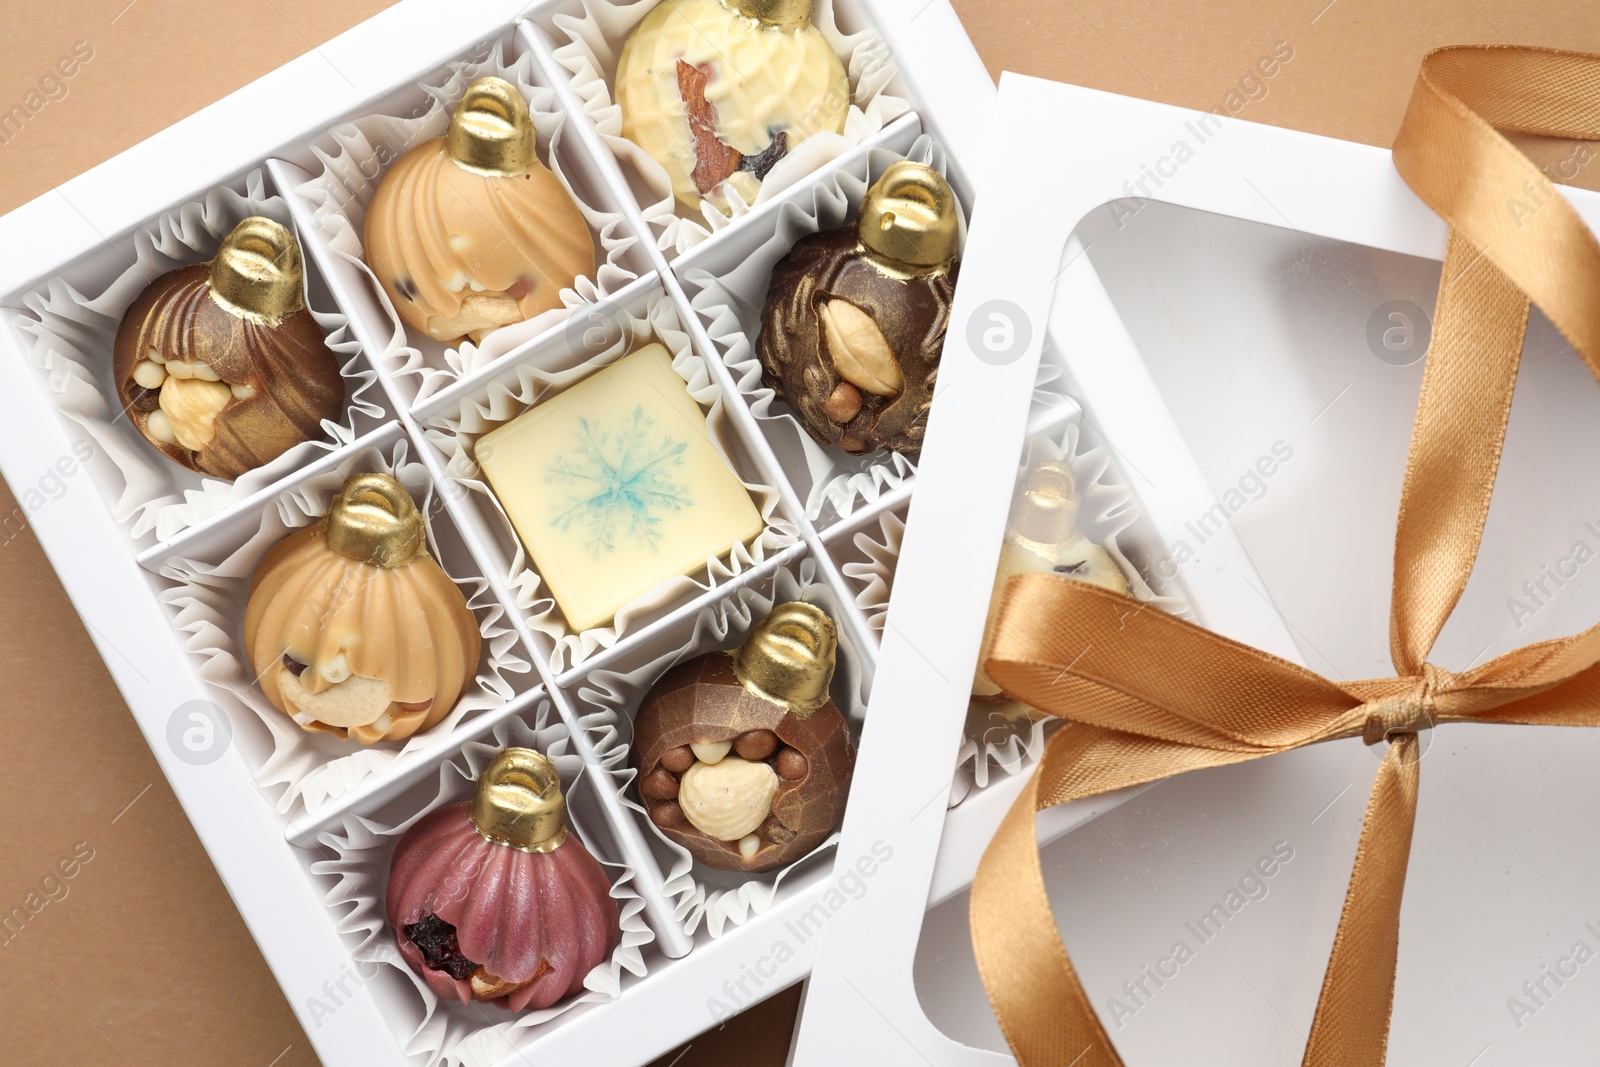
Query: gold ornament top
x=374, y=520
x=908, y=218
x=257, y=274
x=491, y=131
x=519, y=803
x=789, y=14
x=1047, y=514
x=789, y=657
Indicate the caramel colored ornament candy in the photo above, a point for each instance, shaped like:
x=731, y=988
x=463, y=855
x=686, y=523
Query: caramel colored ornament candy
x=1042, y=537
x=855, y=317
x=717, y=91
x=742, y=758
x=352, y=628
x=493, y=900
x=470, y=232
x=220, y=365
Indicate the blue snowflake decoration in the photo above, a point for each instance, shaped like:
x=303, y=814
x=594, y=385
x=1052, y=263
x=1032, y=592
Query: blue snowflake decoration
x=619, y=484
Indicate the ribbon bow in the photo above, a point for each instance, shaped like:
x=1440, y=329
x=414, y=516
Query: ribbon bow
x=1150, y=696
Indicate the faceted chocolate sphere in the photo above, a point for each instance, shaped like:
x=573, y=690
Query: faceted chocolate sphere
x=742, y=782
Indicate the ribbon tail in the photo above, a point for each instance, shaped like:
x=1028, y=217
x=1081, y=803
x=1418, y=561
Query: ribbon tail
x=1032, y=986
x=1351, y=1028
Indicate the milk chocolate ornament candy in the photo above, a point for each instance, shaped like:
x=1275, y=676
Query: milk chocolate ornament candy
x=717, y=91
x=742, y=758
x=352, y=628
x=494, y=900
x=470, y=232
x=855, y=317
x=1042, y=537
x=220, y=365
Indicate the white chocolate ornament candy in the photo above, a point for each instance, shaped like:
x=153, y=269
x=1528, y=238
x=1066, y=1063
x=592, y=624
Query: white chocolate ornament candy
x=717, y=91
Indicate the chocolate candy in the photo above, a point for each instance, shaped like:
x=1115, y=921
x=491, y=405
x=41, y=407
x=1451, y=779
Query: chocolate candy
x=855, y=317
x=742, y=758
x=494, y=900
x=1042, y=537
x=718, y=92
x=615, y=486
x=220, y=365
x=470, y=232
x=352, y=628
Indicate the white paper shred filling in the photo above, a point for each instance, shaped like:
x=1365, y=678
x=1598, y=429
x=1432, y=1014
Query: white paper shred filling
x=362, y=150
x=208, y=598
x=72, y=335
x=729, y=291
x=993, y=743
x=499, y=401
x=719, y=899
x=356, y=852
x=589, y=43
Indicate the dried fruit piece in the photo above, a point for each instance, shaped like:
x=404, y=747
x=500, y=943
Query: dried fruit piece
x=763, y=161
x=436, y=940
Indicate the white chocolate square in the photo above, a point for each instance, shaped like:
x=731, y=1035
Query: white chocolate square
x=615, y=486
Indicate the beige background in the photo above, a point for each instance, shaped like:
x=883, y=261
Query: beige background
x=144, y=961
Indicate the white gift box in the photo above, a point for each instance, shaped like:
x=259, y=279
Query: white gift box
x=155, y=559
x=1241, y=312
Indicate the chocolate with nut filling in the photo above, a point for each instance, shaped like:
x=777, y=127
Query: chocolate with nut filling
x=742, y=759
x=855, y=317
x=220, y=365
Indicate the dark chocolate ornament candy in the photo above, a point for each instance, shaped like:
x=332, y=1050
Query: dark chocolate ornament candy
x=855, y=317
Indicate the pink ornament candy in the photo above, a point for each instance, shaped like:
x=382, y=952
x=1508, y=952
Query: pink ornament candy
x=493, y=900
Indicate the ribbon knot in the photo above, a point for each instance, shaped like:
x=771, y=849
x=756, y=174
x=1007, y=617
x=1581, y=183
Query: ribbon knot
x=1404, y=713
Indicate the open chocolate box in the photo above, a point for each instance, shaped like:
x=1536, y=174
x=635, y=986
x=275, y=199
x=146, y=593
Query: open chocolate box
x=157, y=559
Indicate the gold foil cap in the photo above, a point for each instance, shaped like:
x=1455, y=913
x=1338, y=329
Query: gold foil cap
x=909, y=218
x=491, y=131
x=373, y=519
x=789, y=14
x=519, y=803
x=788, y=658
x=1047, y=514
x=257, y=274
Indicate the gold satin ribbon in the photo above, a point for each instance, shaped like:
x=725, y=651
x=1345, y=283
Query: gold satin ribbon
x=1150, y=696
